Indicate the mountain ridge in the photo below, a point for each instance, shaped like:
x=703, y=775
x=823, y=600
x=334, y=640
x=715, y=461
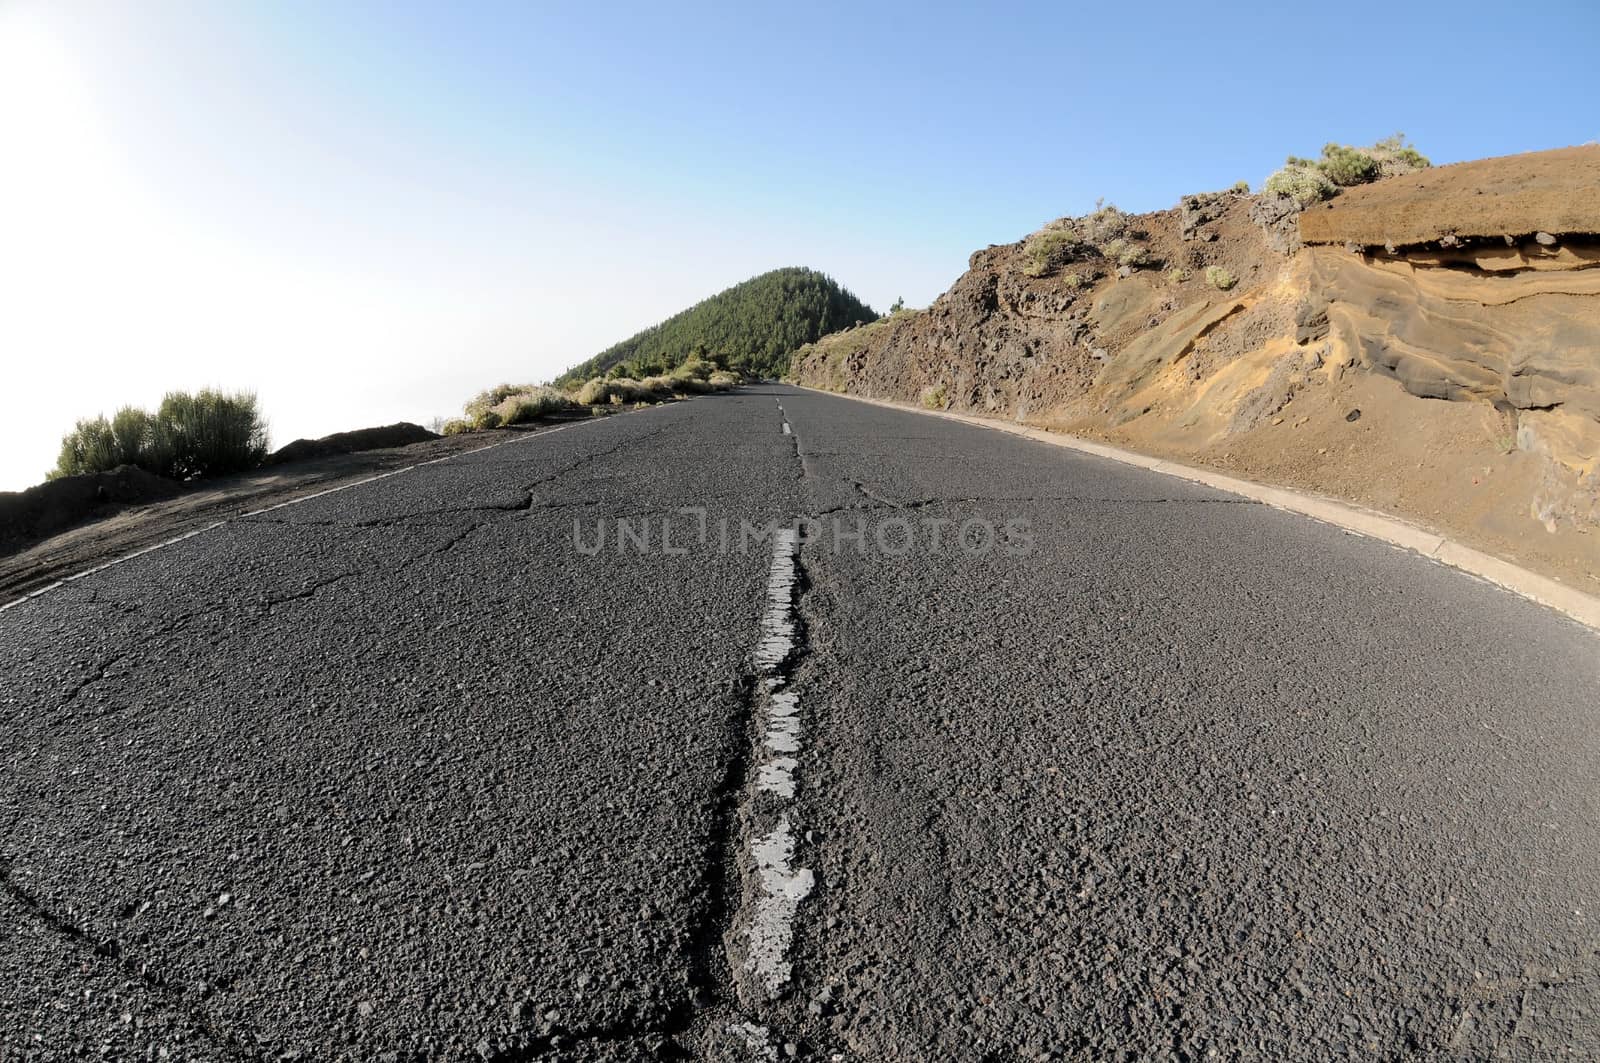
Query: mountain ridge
x=752, y=326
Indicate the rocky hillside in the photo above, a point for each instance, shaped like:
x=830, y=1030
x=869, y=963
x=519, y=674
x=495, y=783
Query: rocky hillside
x=1303, y=344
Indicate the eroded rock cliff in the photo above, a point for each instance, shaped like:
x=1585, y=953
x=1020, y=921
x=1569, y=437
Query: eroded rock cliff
x=1208, y=332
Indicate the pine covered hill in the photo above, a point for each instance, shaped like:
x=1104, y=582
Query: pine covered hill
x=753, y=327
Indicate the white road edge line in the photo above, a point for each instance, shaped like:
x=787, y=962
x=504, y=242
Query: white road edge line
x=1553, y=594
x=40, y=591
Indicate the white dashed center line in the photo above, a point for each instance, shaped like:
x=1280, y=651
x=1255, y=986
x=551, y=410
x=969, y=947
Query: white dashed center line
x=779, y=886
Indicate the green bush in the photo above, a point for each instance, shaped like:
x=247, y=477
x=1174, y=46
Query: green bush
x=488, y=400
x=934, y=397
x=1341, y=166
x=1049, y=249
x=619, y=390
x=1125, y=252
x=1302, y=183
x=129, y=438
x=1068, y=240
x=1177, y=275
x=692, y=375
x=688, y=385
x=147, y=436
x=530, y=404
x=1347, y=167
x=694, y=367
x=653, y=389
x=1242, y=187
x=1134, y=255
x=595, y=392
x=1220, y=278
x=211, y=433
x=506, y=404
x=455, y=427
x=1396, y=157
x=132, y=433
x=208, y=433
x=1105, y=224
x=89, y=447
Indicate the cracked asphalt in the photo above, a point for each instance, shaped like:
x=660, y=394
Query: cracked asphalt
x=1093, y=763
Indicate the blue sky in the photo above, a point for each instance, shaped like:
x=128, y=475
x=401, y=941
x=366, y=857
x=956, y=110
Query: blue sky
x=367, y=211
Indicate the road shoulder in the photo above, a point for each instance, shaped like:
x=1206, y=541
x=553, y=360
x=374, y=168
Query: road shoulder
x=1553, y=594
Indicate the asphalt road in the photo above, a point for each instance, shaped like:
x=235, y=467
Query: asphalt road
x=1011, y=754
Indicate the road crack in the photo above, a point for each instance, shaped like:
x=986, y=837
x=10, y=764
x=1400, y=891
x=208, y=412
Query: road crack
x=103, y=951
x=925, y=503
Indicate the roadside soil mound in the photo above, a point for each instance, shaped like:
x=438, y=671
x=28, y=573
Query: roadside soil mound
x=1556, y=192
x=56, y=505
x=399, y=434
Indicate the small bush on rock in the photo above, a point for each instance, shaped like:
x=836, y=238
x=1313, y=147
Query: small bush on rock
x=1396, y=157
x=1104, y=225
x=1220, y=278
x=1347, y=167
x=1302, y=183
x=1308, y=180
x=1125, y=252
x=1049, y=249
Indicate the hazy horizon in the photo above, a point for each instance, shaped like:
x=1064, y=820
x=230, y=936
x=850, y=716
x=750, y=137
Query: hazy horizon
x=367, y=213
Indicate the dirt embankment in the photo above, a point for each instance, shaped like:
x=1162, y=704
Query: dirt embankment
x=1322, y=366
x=399, y=434
x=53, y=506
x=1556, y=192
